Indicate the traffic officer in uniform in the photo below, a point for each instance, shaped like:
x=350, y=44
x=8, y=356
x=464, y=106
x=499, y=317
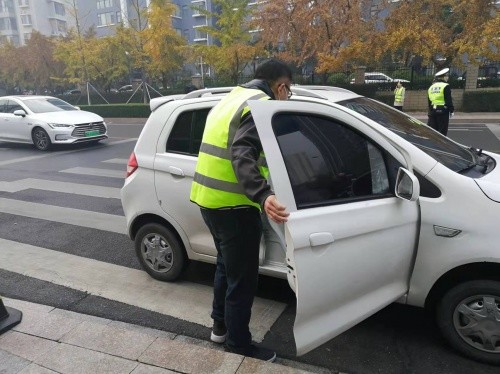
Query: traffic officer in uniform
x=230, y=185
x=440, y=102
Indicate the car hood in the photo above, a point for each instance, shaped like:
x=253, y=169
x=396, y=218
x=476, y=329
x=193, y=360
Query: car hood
x=490, y=183
x=73, y=117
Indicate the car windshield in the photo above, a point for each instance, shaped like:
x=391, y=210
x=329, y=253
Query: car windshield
x=441, y=148
x=41, y=105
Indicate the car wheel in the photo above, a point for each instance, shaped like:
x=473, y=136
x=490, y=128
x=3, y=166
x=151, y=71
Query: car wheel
x=160, y=252
x=41, y=139
x=469, y=318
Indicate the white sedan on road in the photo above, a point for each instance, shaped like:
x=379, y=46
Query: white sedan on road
x=46, y=120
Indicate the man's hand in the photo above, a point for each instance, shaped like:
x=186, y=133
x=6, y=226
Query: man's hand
x=275, y=210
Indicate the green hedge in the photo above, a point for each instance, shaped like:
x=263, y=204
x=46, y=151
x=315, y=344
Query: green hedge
x=119, y=110
x=481, y=101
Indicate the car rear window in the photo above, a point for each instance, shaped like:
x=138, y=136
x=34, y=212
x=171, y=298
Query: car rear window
x=187, y=132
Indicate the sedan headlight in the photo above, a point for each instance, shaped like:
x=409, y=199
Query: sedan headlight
x=59, y=125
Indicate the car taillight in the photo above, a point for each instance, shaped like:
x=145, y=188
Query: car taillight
x=131, y=165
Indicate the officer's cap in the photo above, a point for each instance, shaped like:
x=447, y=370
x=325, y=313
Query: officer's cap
x=442, y=73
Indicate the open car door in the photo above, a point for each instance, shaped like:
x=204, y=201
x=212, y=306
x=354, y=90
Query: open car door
x=350, y=241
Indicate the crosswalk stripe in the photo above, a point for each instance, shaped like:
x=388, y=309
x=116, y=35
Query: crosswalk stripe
x=84, y=218
x=56, y=186
x=122, y=161
x=187, y=301
x=96, y=172
x=49, y=154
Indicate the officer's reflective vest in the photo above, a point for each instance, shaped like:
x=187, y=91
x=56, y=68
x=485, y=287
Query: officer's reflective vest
x=436, y=93
x=215, y=184
x=398, y=95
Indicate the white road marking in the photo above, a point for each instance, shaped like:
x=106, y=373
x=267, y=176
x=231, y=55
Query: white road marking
x=465, y=129
x=67, y=187
x=122, y=161
x=96, y=172
x=84, y=218
x=187, y=301
x=48, y=154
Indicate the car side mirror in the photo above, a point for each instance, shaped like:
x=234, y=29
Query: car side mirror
x=20, y=112
x=407, y=185
x=77, y=108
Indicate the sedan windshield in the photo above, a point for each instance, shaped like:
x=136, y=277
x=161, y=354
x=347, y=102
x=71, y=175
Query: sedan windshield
x=46, y=105
x=439, y=147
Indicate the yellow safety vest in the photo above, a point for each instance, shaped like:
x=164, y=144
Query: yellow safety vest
x=398, y=95
x=215, y=184
x=436, y=93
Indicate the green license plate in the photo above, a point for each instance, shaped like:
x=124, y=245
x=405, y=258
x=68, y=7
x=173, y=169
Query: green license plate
x=91, y=133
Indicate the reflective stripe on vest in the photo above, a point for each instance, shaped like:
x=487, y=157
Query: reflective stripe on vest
x=215, y=184
x=436, y=93
x=398, y=96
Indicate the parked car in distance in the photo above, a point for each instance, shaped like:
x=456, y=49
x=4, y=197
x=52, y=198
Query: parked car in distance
x=126, y=88
x=382, y=208
x=73, y=92
x=375, y=77
x=45, y=120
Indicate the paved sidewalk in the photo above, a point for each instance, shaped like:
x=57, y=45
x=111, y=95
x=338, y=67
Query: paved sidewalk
x=51, y=340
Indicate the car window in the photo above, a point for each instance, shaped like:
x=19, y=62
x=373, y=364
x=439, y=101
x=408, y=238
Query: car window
x=12, y=106
x=328, y=162
x=3, y=105
x=441, y=148
x=187, y=132
x=46, y=105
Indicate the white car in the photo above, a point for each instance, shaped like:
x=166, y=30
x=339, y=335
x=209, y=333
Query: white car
x=375, y=77
x=46, y=120
x=382, y=209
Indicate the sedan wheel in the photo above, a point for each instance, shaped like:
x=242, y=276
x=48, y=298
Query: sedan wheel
x=41, y=139
x=469, y=318
x=160, y=252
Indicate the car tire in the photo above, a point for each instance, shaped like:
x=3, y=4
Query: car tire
x=160, y=252
x=41, y=139
x=469, y=318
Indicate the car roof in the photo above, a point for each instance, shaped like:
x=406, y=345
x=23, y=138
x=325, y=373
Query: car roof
x=24, y=97
x=330, y=93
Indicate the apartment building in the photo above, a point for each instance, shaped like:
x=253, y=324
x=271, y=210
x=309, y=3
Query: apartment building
x=19, y=18
x=105, y=15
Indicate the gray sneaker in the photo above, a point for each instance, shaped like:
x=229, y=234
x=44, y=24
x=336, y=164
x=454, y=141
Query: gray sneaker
x=219, y=332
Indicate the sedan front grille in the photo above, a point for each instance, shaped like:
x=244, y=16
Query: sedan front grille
x=80, y=130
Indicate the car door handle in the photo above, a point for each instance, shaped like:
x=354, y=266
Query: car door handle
x=175, y=171
x=320, y=238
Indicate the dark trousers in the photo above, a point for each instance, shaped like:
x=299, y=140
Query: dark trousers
x=439, y=122
x=398, y=107
x=237, y=234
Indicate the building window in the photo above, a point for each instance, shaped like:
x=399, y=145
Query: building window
x=118, y=17
x=26, y=36
x=177, y=11
x=8, y=24
x=59, y=9
x=23, y=2
x=62, y=26
x=102, y=4
x=200, y=35
x=6, y=6
x=26, y=19
x=106, y=19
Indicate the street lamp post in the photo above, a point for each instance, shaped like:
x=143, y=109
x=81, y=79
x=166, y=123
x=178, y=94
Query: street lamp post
x=128, y=66
x=201, y=71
